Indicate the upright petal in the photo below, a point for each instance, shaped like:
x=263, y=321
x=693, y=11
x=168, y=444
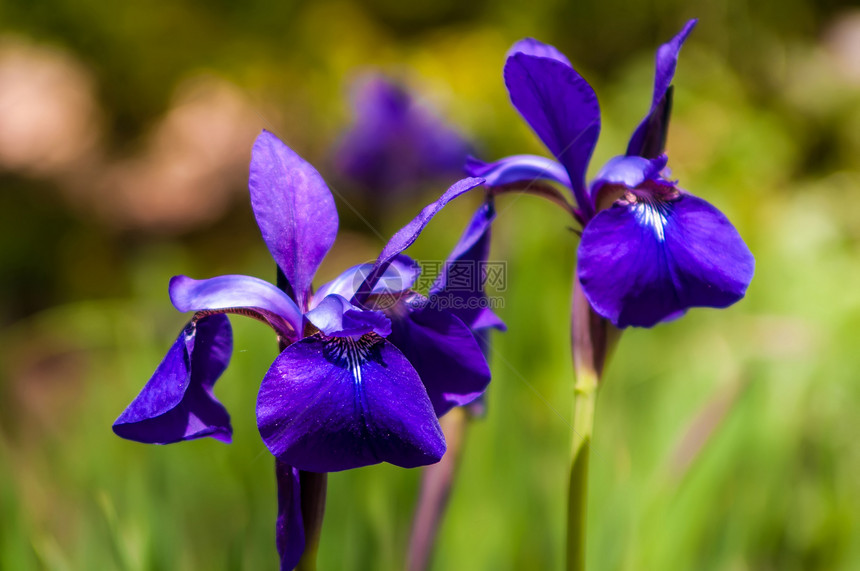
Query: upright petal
x=533, y=47
x=245, y=294
x=177, y=403
x=461, y=287
x=445, y=354
x=333, y=404
x=294, y=209
x=518, y=169
x=645, y=262
x=409, y=233
x=562, y=109
x=649, y=138
x=289, y=526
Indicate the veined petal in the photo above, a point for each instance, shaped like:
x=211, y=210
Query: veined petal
x=177, y=403
x=649, y=138
x=409, y=233
x=644, y=262
x=518, y=168
x=461, y=287
x=399, y=276
x=333, y=404
x=236, y=292
x=562, y=109
x=533, y=47
x=294, y=209
x=445, y=354
x=289, y=526
x=336, y=317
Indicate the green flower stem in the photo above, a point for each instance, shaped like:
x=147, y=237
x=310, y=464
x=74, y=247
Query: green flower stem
x=584, y=398
x=313, y=487
x=591, y=337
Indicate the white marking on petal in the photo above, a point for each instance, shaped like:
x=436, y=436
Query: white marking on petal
x=350, y=352
x=651, y=214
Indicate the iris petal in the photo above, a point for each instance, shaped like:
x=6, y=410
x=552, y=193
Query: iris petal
x=533, y=47
x=642, y=263
x=562, y=109
x=399, y=276
x=333, y=404
x=628, y=171
x=649, y=138
x=177, y=403
x=335, y=316
x=445, y=354
x=625, y=172
x=294, y=209
x=518, y=168
x=236, y=292
x=409, y=233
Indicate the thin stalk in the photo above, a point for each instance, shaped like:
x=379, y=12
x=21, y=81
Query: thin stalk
x=436, y=482
x=590, y=340
x=584, y=398
x=313, y=487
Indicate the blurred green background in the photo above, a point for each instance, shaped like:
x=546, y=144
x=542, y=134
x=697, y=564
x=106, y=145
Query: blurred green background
x=724, y=440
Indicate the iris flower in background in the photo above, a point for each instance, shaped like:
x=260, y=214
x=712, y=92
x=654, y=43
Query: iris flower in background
x=649, y=250
x=396, y=144
x=346, y=390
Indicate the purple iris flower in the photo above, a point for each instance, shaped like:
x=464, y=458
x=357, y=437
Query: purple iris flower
x=649, y=250
x=344, y=392
x=395, y=142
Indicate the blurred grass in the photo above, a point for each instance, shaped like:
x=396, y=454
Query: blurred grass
x=725, y=440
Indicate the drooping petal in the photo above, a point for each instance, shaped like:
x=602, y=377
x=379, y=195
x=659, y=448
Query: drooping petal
x=649, y=138
x=177, y=403
x=289, y=526
x=409, y=233
x=245, y=293
x=562, y=109
x=533, y=47
x=333, y=404
x=336, y=317
x=445, y=353
x=642, y=263
x=294, y=209
x=518, y=169
x=399, y=276
x=460, y=288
